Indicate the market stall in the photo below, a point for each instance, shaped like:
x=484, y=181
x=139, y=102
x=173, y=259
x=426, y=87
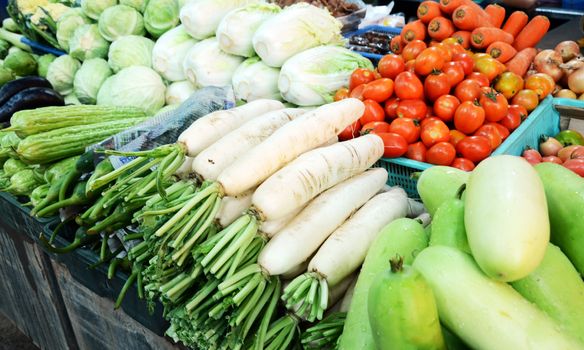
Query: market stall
x=242, y=174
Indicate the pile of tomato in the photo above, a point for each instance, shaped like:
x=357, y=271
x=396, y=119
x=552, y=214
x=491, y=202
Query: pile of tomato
x=442, y=104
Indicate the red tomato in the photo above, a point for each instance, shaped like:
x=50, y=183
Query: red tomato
x=468, y=117
x=394, y=145
x=463, y=164
x=489, y=67
x=373, y=112
x=515, y=115
x=467, y=90
x=413, y=49
x=446, y=51
x=503, y=131
x=434, y=132
x=406, y=127
x=408, y=86
x=429, y=60
x=361, y=76
x=509, y=84
x=350, y=131
x=429, y=120
x=576, y=165
x=541, y=83
x=391, y=65
x=391, y=108
x=429, y=111
x=494, y=104
x=465, y=60
x=455, y=47
x=357, y=92
x=341, y=94
x=410, y=66
x=375, y=127
x=417, y=151
x=454, y=72
x=474, y=148
x=532, y=156
x=527, y=99
x=479, y=78
x=491, y=133
x=455, y=137
x=436, y=85
x=445, y=106
x=378, y=90
x=414, y=109
x=552, y=159
x=442, y=153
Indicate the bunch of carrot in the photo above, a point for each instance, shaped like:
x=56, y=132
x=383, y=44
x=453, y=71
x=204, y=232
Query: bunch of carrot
x=511, y=42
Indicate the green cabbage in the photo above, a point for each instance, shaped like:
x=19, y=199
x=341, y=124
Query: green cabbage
x=312, y=77
x=71, y=20
x=139, y=5
x=236, y=30
x=169, y=53
x=130, y=50
x=178, y=92
x=61, y=73
x=89, y=79
x=202, y=17
x=161, y=16
x=94, y=8
x=295, y=29
x=43, y=64
x=254, y=79
x=87, y=43
x=135, y=86
x=206, y=65
x=120, y=20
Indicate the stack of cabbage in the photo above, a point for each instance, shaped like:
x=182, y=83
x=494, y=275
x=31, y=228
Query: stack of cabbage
x=137, y=52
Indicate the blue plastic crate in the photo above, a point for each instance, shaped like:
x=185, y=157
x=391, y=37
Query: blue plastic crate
x=544, y=120
x=373, y=57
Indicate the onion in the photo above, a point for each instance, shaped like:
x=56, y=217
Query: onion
x=548, y=62
x=565, y=93
x=567, y=50
x=576, y=81
x=572, y=65
x=581, y=97
x=549, y=146
x=566, y=152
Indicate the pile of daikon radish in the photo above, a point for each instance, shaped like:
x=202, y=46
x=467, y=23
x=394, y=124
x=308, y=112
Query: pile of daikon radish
x=277, y=198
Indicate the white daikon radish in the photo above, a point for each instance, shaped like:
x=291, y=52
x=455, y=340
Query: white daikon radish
x=304, y=133
x=344, y=252
x=314, y=172
x=185, y=169
x=211, y=161
x=233, y=207
x=270, y=228
x=415, y=208
x=210, y=128
x=306, y=232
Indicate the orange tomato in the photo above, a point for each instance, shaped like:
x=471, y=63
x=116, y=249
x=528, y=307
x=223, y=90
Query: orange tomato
x=541, y=83
x=341, y=94
x=526, y=98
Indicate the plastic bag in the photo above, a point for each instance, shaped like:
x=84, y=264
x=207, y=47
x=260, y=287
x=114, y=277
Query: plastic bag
x=165, y=127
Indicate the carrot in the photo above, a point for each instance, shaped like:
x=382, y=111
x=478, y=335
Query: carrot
x=440, y=28
x=463, y=38
x=515, y=23
x=413, y=30
x=397, y=44
x=485, y=36
x=448, y=6
x=501, y=51
x=521, y=62
x=471, y=16
x=532, y=33
x=496, y=14
x=428, y=10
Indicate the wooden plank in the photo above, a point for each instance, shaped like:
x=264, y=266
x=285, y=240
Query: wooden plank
x=28, y=294
x=97, y=325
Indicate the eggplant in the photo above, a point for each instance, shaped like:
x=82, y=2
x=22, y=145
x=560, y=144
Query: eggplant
x=30, y=98
x=12, y=88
